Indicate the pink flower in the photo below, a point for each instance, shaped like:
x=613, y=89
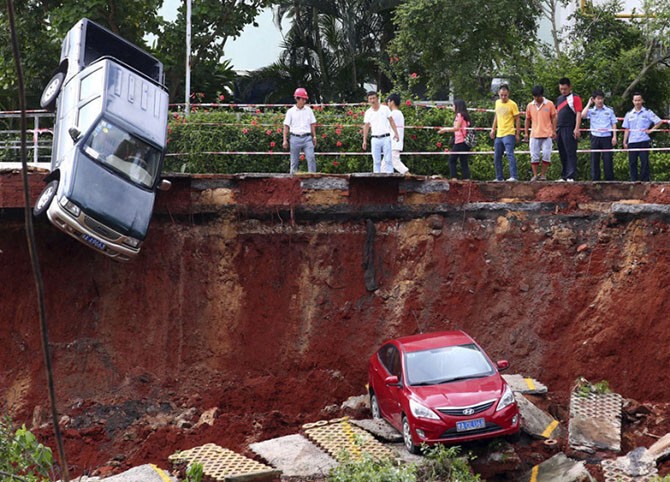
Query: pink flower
x=245, y=131
x=339, y=144
x=253, y=122
x=413, y=137
x=338, y=131
x=302, y=157
x=278, y=130
x=222, y=97
x=438, y=144
x=408, y=102
x=269, y=132
x=272, y=144
x=414, y=75
x=350, y=112
x=335, y=163
x=258, y=111
x=323, y=136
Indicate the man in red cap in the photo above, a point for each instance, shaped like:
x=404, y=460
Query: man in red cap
x=300, y=125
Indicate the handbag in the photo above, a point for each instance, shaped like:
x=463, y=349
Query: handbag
x=470, y=138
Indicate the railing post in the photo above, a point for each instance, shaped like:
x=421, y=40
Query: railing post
x=36, y=135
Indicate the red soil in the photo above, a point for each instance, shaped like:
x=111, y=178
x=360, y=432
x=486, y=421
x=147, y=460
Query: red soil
x=271, y=322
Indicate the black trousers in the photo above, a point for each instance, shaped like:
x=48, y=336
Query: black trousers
x=644, y=160
x=453, y=158
x=567, y=150
x=602, y=143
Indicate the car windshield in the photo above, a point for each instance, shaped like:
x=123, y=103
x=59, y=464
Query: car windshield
x=124, y=153
x=448, y=364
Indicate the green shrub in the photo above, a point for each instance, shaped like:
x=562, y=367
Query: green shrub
x=22, y=457
x=368, y=469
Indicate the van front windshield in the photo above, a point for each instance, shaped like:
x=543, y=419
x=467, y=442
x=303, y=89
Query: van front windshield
x=123, y=152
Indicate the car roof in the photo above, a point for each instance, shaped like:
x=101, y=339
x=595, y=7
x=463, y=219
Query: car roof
x=428, y=341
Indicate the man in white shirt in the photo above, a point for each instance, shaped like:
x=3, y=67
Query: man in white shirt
x=393, y=102
x=378, y=119
x=300, y=124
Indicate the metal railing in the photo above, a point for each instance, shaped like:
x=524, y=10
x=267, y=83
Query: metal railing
x=9, y=138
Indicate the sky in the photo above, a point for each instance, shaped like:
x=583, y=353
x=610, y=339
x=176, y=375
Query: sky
x=256, y=47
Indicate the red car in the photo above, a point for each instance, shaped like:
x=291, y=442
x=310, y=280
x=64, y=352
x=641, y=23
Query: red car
x=441, y=387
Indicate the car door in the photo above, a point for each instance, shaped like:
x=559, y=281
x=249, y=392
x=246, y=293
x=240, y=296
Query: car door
x=395, y=392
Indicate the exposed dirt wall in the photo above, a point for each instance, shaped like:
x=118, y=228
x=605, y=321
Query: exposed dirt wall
x=271, y=320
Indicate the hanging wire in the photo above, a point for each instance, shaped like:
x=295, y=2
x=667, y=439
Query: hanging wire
x=30, y=234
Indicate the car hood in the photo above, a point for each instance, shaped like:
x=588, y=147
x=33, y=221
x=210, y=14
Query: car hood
x=460, y=394
x=110, y=199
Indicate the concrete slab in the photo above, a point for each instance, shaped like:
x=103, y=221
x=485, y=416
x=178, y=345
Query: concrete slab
x=559, y=468
x=635, y=466
x=380, y=428
x=521, y=384
x=295, y=456
x=224, y=464
x=535, y=422
x=143, y=473
x=343, y=440
x=595, y=422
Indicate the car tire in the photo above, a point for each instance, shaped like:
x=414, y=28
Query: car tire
x=46, y=197
x=407, y=437
x=374, y=407
x=51, y=91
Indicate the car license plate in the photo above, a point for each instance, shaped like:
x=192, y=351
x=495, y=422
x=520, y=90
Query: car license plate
x=91, y=240
x=470, y=425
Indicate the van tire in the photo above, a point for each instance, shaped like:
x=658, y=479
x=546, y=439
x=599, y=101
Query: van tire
x=46, y=198
x=51, y=91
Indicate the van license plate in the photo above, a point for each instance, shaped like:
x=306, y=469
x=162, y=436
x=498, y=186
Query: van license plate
x=92, y=241
x=470, y=425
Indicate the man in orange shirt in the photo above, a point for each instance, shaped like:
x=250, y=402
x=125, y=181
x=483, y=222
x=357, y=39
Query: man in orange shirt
x=541, y=114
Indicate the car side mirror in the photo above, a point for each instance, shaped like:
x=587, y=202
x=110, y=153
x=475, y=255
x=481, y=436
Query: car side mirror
x=392, y=381
x=75, y=133
x=164, y=185
x=502, y=365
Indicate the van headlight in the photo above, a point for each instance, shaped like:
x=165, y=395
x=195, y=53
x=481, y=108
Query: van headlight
x=420, y=411
x=70, y=207
x=132, y=242
x=507, y=399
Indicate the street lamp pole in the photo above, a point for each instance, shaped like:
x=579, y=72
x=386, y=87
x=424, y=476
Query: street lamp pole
x=187, y=94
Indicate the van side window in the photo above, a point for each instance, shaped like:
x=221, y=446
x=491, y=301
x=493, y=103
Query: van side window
x=90, y=85
x=88, y=113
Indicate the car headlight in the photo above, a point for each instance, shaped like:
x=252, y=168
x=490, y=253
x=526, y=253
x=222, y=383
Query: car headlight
x=132, y=242
x=507, y=398
x=419, y=411
x=70, y=207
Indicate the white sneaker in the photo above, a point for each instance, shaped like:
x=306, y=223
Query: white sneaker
x=512, y=179
x=534, y=178
x=560, y=179
x=570, y=179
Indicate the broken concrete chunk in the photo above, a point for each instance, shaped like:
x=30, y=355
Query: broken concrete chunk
x=660, y=449
x=143, y=473
x=295, y=456
x=536, y=422
x=595, y=422
x=380, y=428
x=525, y=385
x=559, y=468
x=358, y=402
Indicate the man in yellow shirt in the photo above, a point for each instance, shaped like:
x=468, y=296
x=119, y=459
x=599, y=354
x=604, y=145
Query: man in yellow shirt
x=506, y=131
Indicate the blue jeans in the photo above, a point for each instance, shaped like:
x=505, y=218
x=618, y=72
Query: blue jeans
x=306, y=145
x=505, y=143
x=381, y=146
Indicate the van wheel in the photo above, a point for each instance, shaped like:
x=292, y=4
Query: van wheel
x=51, y=91
x=407, y=437
x=44, y=201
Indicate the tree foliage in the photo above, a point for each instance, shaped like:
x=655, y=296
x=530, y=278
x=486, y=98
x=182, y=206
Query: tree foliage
x=21, y=455
x=461, y=46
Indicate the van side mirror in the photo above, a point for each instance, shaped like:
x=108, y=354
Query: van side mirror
x=164, y=185
x=502, y=365
x=75, y=133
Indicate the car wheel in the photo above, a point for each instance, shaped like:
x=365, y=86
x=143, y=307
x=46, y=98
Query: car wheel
x=44, y=201
x=374, y=407
x=407, y=437
x=51, y=91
